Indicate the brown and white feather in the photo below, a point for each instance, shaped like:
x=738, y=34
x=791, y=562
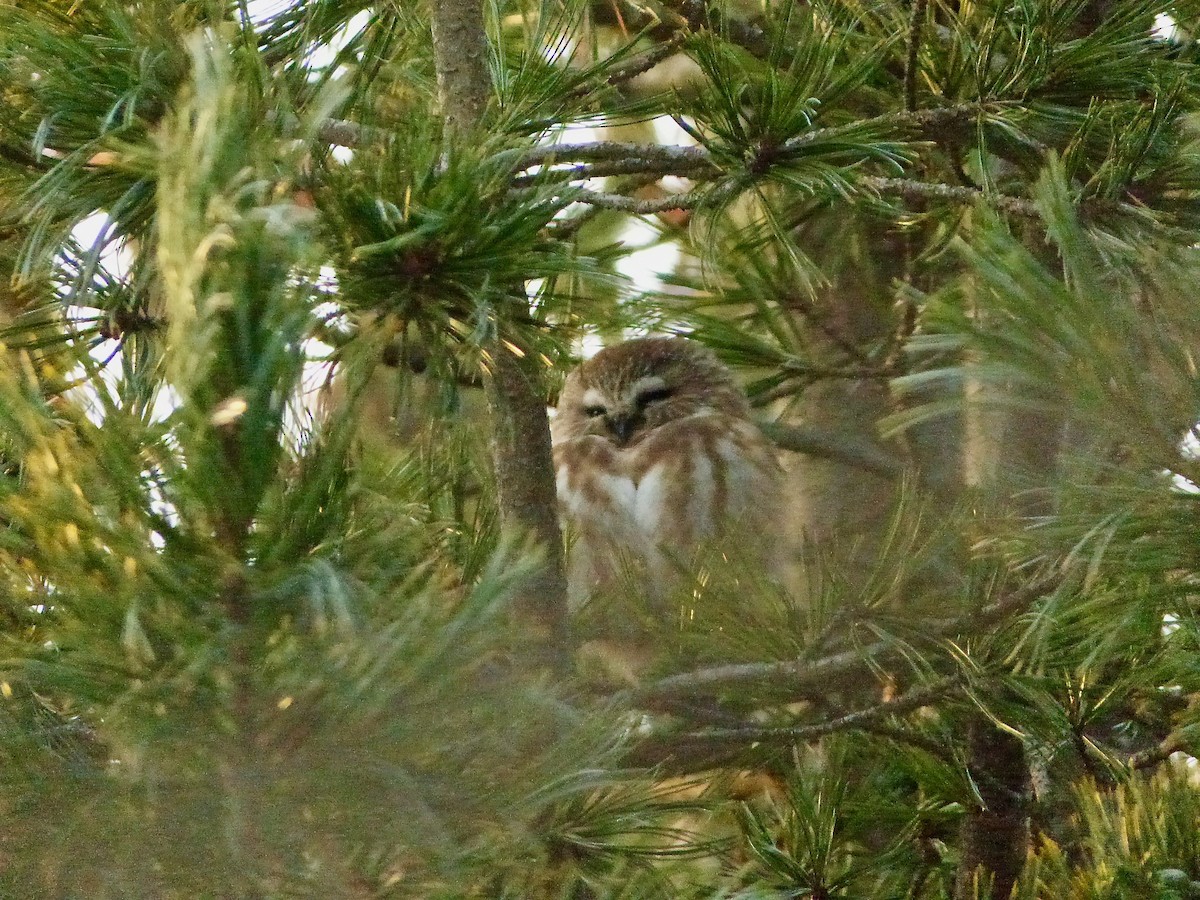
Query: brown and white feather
x=656, y=456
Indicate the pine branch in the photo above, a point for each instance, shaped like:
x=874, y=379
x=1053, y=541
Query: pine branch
x=914, y=699
x=460, y=55
x=681, y=159
x=937, y=749
x=697, y=161
x=852, y=373
x=698, y=750
x=632, y=166
x=996, y=833
x=701, y=197
x=237, y=769
x=599, y=159
x=526, y=490
x=834, y=669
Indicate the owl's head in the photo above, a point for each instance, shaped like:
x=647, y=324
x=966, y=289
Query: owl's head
x=626, y=391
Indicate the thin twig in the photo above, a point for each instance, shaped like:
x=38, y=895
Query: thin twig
x=845, y=373
x=604, y=200
x=698, y=750
x=921, y=191
x=567, y=227
x=685, y=158
x=790, y=388
x=681, y=157
x=758, y=734
x=637, y=66
x=710, y=197
x=632, y=166
x=820, y=321
x=1152, y=756
x=689, y=16
x=908, y=189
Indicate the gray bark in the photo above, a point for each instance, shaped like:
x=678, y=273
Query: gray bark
x=520, y=429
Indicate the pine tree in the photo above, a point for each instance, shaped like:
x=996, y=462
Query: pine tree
x=283, y=609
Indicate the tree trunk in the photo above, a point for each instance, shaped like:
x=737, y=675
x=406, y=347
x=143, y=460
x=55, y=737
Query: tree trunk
x=1012, y=456
x=520, y=429
x=996, y=834
x=526, y=492
x=460, y=55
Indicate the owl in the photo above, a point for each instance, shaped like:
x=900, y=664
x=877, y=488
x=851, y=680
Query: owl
x=656, y=458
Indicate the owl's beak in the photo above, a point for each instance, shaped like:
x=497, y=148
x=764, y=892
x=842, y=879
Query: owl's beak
x=623, y=427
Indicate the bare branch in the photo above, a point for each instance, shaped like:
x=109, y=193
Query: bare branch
x=460, y=56
x=836, y=447
x=632, y=166
x=697, y=161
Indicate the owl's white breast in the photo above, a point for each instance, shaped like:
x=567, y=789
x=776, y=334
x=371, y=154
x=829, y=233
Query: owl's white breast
x=649, y=493
x=655, y=503
x=621, y=500
x=673, y=488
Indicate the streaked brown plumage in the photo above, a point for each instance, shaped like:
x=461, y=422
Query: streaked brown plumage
x=656, y=456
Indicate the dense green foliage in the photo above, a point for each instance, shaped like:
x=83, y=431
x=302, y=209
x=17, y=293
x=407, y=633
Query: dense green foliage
x=259, y=626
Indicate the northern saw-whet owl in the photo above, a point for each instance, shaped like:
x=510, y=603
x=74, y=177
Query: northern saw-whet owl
x=656, y=458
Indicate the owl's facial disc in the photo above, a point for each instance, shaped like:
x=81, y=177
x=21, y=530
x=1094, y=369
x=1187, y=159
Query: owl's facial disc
x=622, y=419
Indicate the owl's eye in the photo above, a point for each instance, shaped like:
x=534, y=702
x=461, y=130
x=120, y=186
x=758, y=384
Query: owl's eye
x=594, y=412
x=653, y=396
